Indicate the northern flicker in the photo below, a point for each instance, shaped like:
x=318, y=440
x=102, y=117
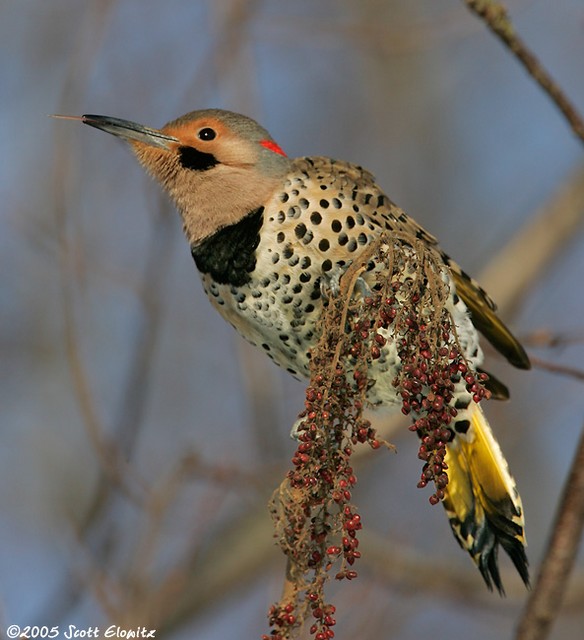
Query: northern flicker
x=267, y=231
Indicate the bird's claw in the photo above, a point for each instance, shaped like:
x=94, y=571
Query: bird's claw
x=330, y=283
x=295, y=431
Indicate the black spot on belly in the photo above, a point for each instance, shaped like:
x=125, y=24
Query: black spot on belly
x=300, y=230
x=315, y=294
x=462, y=403
x=228, y=255
x=462, y=426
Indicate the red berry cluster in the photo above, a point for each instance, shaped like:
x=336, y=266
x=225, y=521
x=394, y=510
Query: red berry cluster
x=318, y=510
x=322, y=468
x=432, y=365
x=427, y=376
x=350, y=542
x=323, y=614
x=283, y=620
x=316, y=524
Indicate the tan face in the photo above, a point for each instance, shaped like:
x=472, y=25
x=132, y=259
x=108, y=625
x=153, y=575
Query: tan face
x=216, y=169
x=217, y=166
x=214, y=142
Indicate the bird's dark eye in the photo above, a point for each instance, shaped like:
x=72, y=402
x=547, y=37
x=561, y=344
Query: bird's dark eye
x=207, y=134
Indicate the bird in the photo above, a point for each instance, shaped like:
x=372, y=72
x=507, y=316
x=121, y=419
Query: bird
x=268, y=233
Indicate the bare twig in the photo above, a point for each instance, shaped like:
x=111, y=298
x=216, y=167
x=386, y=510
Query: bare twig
x=535, y=245
x=404, y=566
x=391, y=38
x=239, y=554
x=497, y=19
x=116, y=476
x=548, y=339
x=563, y=370
x=546, y=598
x=90, y=39
x=230, y=21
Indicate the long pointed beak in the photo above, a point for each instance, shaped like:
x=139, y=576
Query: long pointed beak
x=131, y=131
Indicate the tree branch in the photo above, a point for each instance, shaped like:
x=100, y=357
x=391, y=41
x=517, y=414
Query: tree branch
x=535, y=245
x=495, y=16
x=546, y=598
x=560, y=369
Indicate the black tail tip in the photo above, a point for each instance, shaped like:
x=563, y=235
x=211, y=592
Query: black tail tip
x=488, y=564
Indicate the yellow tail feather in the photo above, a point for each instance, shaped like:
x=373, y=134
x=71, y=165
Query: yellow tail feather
x=482, y=502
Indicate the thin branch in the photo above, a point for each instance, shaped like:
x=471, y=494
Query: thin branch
x=405, y=567
x=546, y=598
x=237, y=556
x=531, y=250
x=230, y=22
x=116, y=475
x=66, y=593
x=146, y=333
x=497, y=19
x=563, y=370
x=87, y=45
x=548, y=339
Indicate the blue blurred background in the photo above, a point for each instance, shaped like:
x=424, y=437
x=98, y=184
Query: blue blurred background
x=141, y=438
